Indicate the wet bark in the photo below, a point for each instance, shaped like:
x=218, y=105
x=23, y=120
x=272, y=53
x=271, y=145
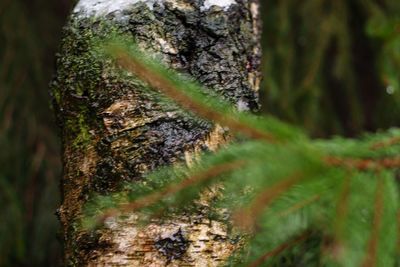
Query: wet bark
x=114, y=131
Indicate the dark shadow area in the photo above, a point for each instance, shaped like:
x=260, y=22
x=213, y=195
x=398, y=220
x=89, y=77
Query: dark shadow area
x=30, y=164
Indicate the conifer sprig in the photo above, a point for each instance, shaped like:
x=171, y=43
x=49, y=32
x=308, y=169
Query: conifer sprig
x=278, y=184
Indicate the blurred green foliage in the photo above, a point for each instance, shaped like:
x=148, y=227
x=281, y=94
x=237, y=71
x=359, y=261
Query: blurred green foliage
x=30, y=155
x=331, y=67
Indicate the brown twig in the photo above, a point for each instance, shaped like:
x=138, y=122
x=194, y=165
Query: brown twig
x=371, y=256
x=342, y=207
x=382, y=144
x=364, y=164
x=398, y=232
x=334, y=249
x=279, y=249
x=165, y=86
x=173, y=189
x=245, y=218
x=299, y=206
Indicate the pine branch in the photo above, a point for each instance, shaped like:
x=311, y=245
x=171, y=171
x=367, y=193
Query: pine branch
x=286, y=178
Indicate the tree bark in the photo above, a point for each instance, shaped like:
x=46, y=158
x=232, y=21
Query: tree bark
x=114, y=131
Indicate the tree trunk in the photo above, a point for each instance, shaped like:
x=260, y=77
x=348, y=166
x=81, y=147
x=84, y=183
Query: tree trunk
x=113, y=131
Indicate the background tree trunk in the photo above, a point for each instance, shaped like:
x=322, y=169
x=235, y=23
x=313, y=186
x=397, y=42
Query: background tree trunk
x=113, y=131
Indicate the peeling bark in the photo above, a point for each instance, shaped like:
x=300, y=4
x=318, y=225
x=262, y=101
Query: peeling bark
x=114, y=131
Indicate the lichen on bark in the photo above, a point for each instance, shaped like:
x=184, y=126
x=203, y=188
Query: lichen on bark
x=114, y=130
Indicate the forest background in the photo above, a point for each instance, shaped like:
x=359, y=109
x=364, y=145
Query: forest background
x=330, y=67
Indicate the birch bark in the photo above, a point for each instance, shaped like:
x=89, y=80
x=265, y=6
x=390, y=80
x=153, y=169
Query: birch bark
x=113, y=131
